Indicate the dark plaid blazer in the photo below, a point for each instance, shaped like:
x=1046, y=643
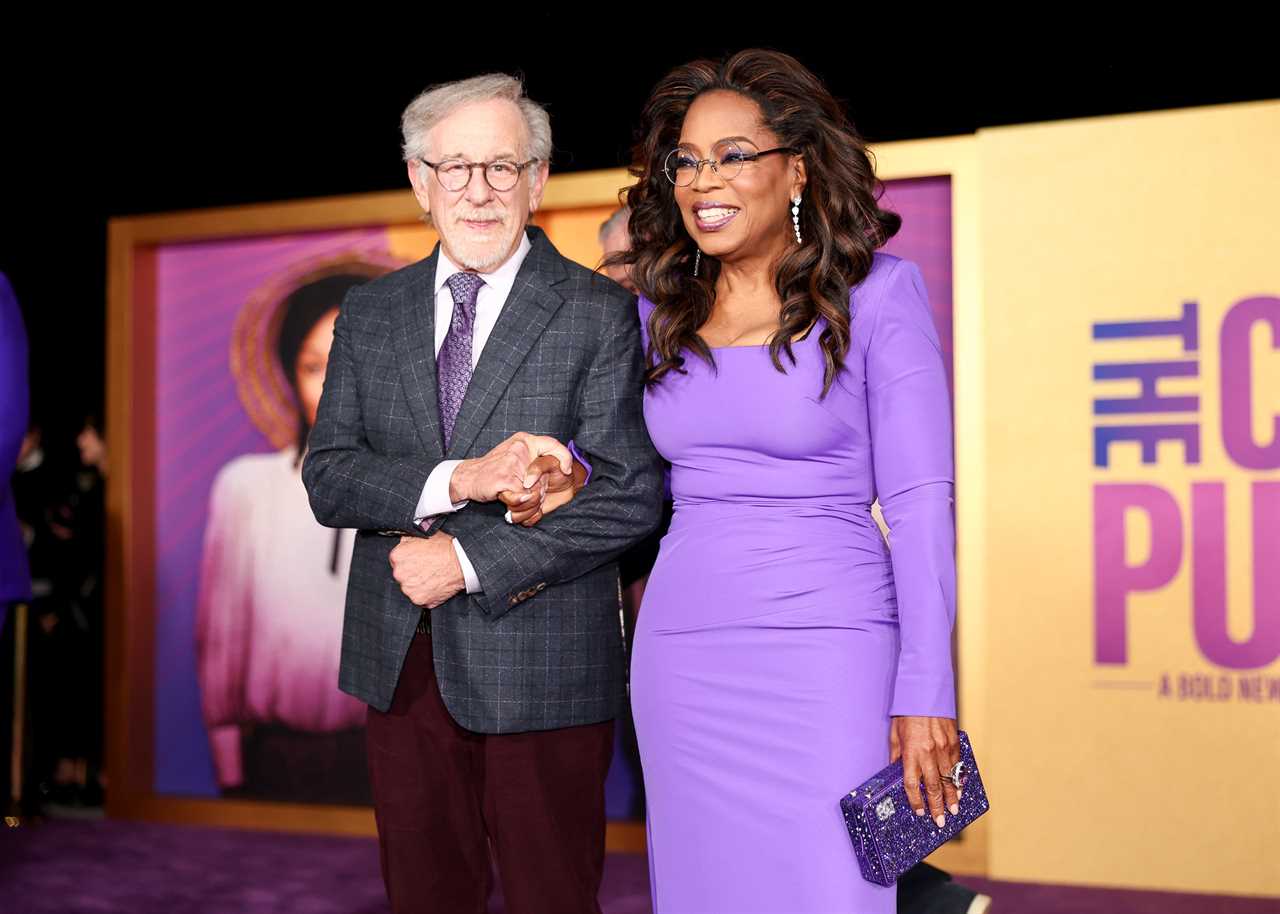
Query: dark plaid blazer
x=541, y=646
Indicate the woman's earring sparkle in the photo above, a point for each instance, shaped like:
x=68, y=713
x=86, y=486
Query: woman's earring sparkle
x=795, y=217
x=697, y=261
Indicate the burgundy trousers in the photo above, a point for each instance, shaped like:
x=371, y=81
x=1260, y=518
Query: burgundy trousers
x=445, y=798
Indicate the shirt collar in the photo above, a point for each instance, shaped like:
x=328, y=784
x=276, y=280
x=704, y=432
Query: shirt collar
x=500, y=280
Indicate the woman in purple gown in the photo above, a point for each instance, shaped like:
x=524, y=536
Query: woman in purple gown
x=783, y=652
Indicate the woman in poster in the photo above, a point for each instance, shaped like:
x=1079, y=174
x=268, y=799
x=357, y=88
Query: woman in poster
x=272, y=589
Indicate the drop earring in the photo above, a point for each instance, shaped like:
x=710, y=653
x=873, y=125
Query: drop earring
x=697, y=261
x=795, y=216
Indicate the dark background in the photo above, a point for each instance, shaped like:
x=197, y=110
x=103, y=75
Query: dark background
x=120, y=127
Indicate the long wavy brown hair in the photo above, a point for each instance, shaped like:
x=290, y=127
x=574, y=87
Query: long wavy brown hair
x=841, y=222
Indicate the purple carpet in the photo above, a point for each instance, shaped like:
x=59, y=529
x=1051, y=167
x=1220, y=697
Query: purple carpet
x=74, y=867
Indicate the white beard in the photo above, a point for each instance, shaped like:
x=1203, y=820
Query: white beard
x=481, y=254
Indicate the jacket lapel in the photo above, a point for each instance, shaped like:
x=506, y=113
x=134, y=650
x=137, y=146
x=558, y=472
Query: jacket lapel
x=414, y=334
x=528, y=309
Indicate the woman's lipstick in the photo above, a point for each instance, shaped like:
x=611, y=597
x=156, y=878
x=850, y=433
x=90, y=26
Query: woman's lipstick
x=713, y=217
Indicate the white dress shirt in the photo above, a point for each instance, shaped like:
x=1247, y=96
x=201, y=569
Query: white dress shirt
x=269, y=610
x=489, y=303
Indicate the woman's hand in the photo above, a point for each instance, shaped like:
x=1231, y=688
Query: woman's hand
x=929, y=747
x=554, y=489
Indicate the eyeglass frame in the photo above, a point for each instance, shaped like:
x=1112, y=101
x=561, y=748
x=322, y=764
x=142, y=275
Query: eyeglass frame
x=715, y=165
x=471, y=166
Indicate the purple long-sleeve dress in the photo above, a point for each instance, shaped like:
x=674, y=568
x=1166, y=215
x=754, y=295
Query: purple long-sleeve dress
x=778, y=633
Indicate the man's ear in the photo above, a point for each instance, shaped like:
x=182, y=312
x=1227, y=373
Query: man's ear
x=418, y=177
x=538, y=185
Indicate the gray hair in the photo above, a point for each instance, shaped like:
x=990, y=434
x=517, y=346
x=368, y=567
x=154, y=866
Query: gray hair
x=617, y=220
x=438, y=102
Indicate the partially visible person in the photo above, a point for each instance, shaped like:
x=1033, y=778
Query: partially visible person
x=84, y=512
x=15, y=579
x=273, y=584
x=38, y=490
x=634, y=564
x=615, y=239
x=925, y=889
x=59, y=490
x=15, y=574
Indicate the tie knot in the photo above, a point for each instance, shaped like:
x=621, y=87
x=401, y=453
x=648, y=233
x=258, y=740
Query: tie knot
x=464, y=287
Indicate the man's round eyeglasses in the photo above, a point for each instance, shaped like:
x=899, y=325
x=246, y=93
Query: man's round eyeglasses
x=455, y=174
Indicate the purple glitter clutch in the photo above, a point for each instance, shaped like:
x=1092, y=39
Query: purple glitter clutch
x=888, y=837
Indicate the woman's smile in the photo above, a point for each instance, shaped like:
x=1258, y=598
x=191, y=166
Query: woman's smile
x=711, y=216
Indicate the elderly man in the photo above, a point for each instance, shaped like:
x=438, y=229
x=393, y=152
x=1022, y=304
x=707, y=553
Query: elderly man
x=490, y=653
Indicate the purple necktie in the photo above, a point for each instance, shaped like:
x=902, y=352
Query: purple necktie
x=453, y=362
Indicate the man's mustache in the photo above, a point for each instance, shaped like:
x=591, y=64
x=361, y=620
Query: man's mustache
x=480, y=215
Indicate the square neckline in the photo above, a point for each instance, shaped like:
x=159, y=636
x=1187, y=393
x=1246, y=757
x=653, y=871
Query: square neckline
x=807, y=333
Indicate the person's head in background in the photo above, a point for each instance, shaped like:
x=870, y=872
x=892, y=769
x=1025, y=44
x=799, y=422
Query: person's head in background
x=615, y=238
x=486, y=121
x=29, y=452
x=306, y=335
x=93, y=449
